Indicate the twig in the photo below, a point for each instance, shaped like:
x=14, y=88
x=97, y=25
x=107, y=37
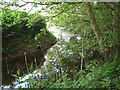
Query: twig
x=35, y=62
x=27, y=65
x=56, y=76
x=82, y=53
x=59, y=65
x=26, y=61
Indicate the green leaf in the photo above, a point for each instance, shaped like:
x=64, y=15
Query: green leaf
x=15, y=75
x=18, y=72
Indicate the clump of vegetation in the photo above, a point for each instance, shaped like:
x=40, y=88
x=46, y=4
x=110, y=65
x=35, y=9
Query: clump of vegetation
x=19, y=30
x=44, y=37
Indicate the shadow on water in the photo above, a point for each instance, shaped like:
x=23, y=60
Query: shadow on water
x=11, y=66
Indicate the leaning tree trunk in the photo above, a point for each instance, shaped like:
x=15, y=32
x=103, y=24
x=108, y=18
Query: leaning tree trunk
x=95, y=26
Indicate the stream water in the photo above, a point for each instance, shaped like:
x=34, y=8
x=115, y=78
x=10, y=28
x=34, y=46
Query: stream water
x=49, y=60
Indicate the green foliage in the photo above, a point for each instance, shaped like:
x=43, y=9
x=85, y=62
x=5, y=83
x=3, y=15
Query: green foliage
x=19, y=30
x=104, y=76
x=99, y=71
x=35, y=21
x=75, y=17
x=16, y=21
x=44, y=37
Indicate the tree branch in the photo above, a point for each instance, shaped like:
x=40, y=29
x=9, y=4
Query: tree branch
x=109, y=6
x=95, y=26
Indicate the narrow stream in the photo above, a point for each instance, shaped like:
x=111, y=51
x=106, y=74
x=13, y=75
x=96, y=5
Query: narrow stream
x=50, y=63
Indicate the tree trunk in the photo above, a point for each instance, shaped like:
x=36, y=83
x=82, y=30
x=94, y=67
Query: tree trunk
x=93, y=21
x=94, y=25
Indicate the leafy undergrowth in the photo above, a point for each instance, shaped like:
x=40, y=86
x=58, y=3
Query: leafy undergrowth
x=94, y=76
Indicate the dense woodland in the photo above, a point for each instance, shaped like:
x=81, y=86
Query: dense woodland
x=97, y=23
